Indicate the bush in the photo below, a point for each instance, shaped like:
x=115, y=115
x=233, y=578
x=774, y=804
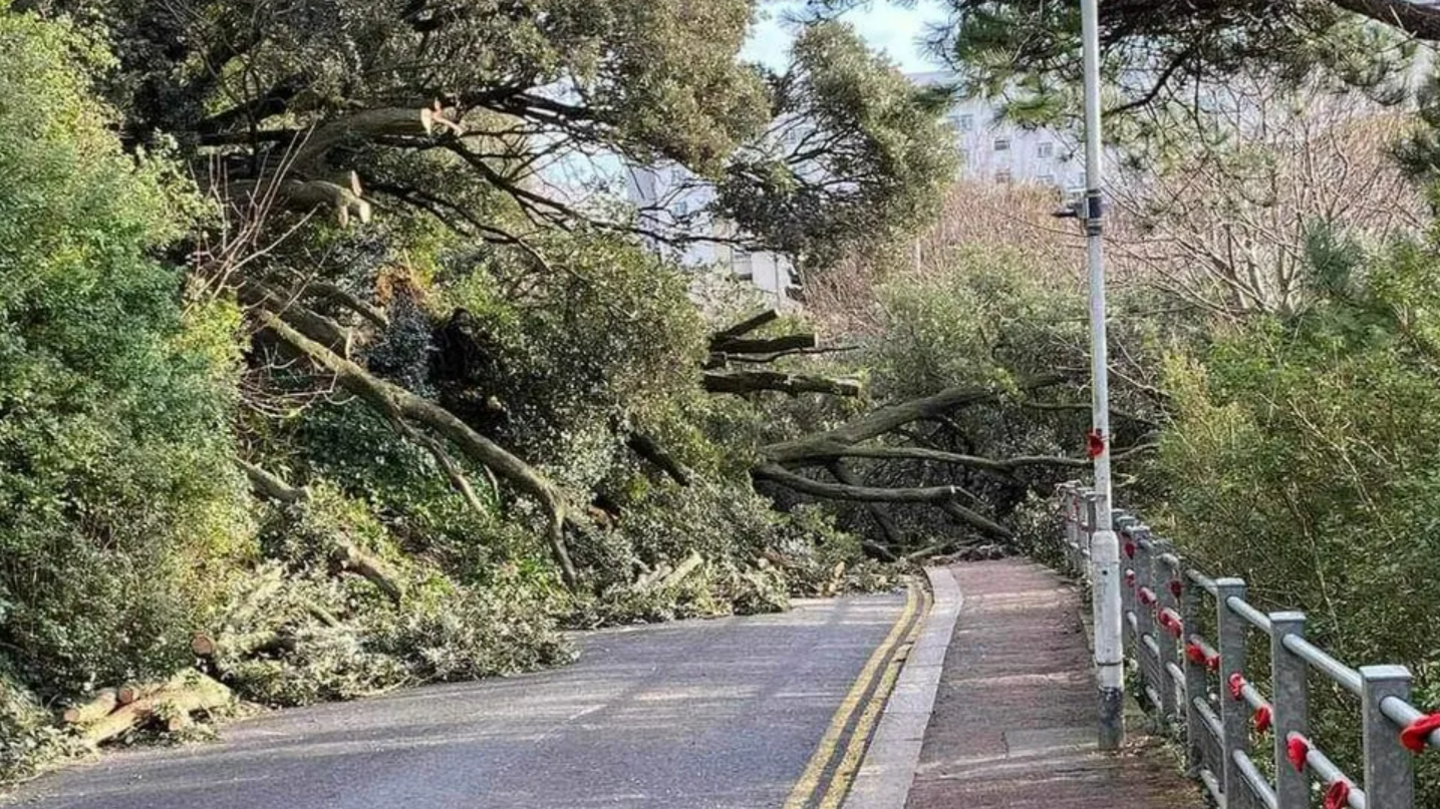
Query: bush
x=120, y=510
x=1301, y=458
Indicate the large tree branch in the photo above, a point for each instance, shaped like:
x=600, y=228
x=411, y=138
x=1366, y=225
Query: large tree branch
x=889, y=418
x=863, y=494
x=877, y=511
x=396, y=402
x=746, y=326
x=647, y=448
x=743, y=382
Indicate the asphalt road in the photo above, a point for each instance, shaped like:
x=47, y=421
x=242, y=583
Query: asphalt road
x=722, y=713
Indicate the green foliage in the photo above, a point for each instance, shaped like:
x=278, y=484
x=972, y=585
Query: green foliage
x=882, y=174
x=119, y=507
x=1302, y=459
x=986, y=318
x=576, y=356
x=1027, y=54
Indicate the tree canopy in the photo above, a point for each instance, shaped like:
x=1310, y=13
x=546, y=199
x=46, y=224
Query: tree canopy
x=1027, y=52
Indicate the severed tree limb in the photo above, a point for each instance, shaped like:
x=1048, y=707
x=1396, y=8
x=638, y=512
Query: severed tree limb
x=345, y=555
x=270, y=486
x=744, y=327
x=790, y=342
x=744, y=382
x=390, y=399
x=646, y=447
x=322, y=329
x=344, y=297
x=447, y=464
x=890, y=418
x=976, y=520
x=305, y=196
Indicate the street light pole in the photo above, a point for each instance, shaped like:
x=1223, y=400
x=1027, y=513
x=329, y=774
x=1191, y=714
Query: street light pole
x=1104, y=545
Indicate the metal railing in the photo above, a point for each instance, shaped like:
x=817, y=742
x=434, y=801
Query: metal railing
x=1199, y=690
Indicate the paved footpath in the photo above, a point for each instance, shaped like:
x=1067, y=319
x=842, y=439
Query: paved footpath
x=723, y=714
x=1013, y=723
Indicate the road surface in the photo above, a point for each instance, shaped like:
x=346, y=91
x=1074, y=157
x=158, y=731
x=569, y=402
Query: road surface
x=708, y=714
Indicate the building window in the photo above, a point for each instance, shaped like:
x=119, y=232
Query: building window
x=1002, y=144
x=965, y=123
x=1046, y=149
x=1002, y=176
x=1047, y=179
x=682, y=207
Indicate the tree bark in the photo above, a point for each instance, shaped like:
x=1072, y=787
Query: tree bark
x=889, y=418
x=744, y=382
x=184, y=694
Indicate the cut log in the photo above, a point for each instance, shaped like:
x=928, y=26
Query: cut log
x=97, y=708
x=185, y=693
x=202, y=645
x=132, y=692
x=769, y=345
x=744, y=382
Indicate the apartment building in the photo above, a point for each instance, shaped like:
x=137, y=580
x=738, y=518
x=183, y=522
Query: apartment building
x=998, y=151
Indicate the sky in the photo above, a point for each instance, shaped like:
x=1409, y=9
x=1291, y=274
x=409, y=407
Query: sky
x=885, y=25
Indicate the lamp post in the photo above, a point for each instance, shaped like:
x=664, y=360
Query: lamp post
x=1104, y=545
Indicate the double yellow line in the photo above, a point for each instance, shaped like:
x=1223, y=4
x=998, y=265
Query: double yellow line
x=877, y=684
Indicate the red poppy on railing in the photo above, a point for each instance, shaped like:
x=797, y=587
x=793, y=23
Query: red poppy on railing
x=1176, y=588
x=1296, y=750
x=1172, y=622
x=1195, y=653
x=1237, y=686
x=1338, y=795
x=1262, y=719
x=1415, y=734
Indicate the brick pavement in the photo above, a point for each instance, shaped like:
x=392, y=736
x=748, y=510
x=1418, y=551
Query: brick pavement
x=1013, y=724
